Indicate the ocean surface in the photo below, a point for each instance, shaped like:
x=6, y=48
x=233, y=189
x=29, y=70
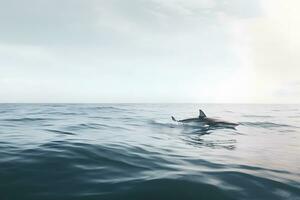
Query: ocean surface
x=136, y=152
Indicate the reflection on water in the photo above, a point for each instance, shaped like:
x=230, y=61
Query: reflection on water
x=194, y=135
x=135, y=151
x=198, y=142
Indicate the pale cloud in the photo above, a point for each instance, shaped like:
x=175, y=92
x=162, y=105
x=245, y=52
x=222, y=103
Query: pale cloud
x=268, y=47
x=148, y=51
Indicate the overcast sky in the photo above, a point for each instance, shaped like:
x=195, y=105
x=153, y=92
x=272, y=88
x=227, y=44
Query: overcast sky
x=213, y=51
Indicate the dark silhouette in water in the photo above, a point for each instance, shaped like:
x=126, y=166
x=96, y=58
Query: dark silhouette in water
x=204, y=120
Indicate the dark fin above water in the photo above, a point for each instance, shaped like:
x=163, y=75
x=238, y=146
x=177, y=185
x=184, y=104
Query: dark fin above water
x=201, y=114
x=173, y=118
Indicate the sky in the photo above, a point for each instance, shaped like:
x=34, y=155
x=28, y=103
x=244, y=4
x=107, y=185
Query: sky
x=152, y=51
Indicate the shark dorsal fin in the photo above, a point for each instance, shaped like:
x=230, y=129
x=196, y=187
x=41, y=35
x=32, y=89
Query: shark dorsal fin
x=201, y=114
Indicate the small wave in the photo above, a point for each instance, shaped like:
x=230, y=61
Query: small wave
x=100, y=117
x=256, y=168
x=258, y=116
x=83, y=126
x=294, y=116
x=112, y=159
x=264, y=124
x=27, y=119
x=110, y=108
x=250, y=186
x=229, y=111
x=60, y=132
x=3, y=111
x=161, y=124
x=63, y=113
x=166, y=188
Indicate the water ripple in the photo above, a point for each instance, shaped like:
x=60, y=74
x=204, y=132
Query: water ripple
x=135, y=151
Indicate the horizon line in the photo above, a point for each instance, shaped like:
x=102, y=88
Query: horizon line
x=253, y=103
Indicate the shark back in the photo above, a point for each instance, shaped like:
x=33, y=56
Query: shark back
x=191, y=120
x=218, y=122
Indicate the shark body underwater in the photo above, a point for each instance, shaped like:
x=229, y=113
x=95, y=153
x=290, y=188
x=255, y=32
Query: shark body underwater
x=203, y=120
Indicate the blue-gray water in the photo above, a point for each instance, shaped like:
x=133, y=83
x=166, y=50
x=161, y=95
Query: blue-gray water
x=135, y=151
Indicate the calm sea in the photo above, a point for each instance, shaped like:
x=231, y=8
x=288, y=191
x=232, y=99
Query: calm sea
x=136, y=152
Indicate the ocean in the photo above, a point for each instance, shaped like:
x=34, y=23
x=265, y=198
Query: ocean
x=136, y=152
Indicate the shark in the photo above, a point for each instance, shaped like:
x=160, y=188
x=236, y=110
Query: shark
x=202, y=119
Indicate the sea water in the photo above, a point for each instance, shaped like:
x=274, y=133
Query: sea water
x=135, y=151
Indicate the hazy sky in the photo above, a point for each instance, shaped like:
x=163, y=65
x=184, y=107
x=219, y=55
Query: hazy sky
x=237, y=51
